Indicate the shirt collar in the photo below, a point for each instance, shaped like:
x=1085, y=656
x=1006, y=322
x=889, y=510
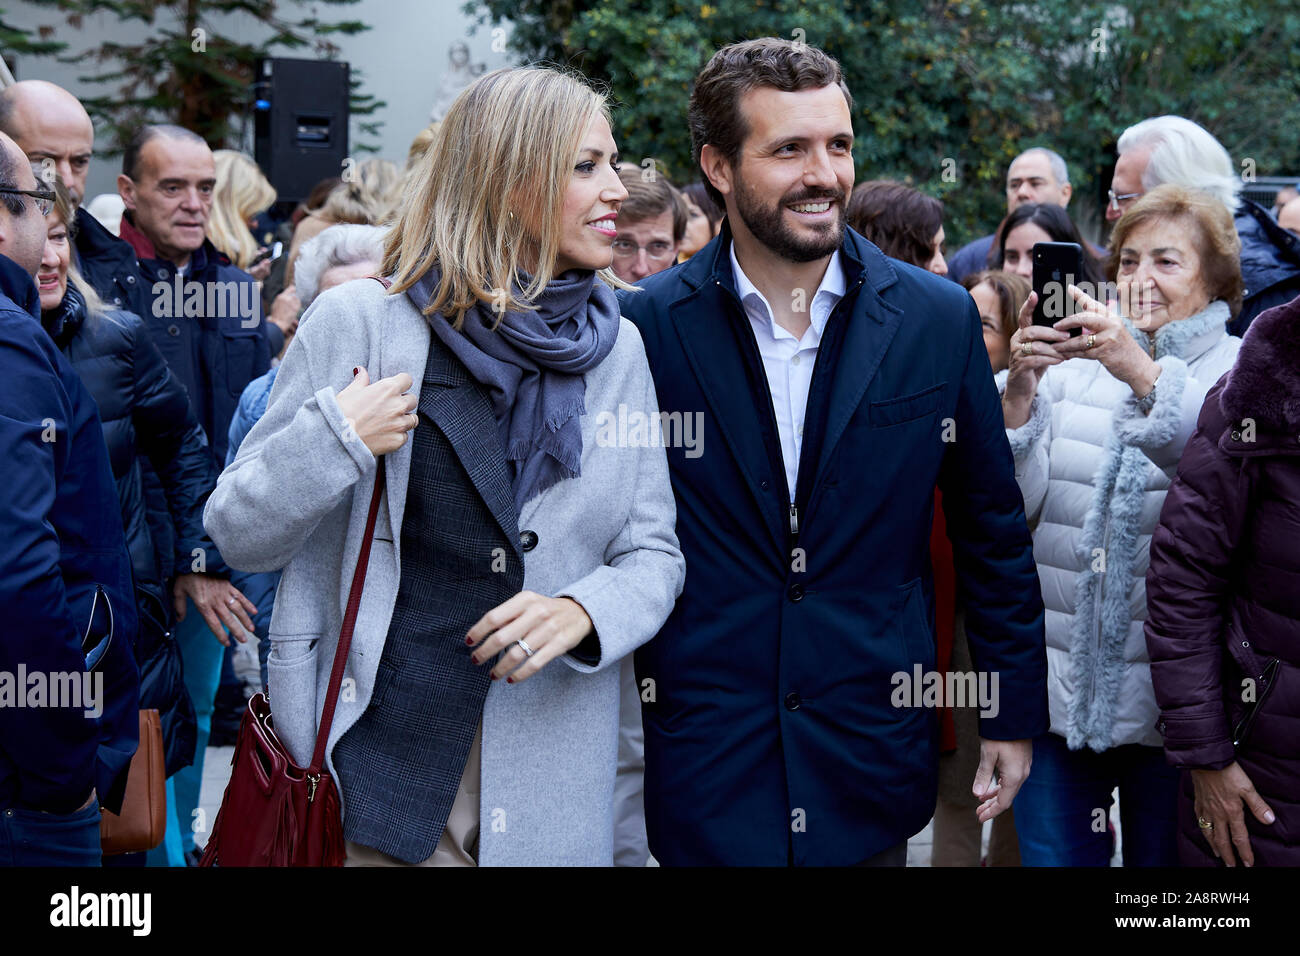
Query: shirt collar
x=832, y=284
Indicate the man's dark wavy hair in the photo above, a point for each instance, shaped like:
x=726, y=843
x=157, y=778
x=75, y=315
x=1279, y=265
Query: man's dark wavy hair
x=714, y=115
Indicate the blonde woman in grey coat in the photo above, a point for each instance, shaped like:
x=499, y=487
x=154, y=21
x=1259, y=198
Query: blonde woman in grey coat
x=523, y=545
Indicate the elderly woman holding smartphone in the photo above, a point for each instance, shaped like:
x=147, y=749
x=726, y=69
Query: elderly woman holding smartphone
x=516, y=559
x=1097, y=422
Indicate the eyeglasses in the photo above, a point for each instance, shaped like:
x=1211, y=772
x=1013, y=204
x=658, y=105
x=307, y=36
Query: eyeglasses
x=655, y=252
x=1125, y=198
x=44, y=197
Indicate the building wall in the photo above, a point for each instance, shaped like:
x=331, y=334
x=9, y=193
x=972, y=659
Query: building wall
x=402, y=58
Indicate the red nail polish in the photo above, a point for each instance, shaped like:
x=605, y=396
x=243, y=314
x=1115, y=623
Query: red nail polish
x=356, y=370
x=510, y=680
x=494, y=676
x=469, y=641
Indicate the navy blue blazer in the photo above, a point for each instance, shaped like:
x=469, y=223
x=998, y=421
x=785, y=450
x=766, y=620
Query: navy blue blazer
x=62, y=542
x=771, y=737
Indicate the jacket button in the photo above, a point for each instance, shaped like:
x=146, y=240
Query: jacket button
x=765, y=484
x=162, y=273
x=528, y=540
x=130, y=280
x=117, y=300
x=796, y=592
x=792, y=701
x=173, y=330
x=1236, y=436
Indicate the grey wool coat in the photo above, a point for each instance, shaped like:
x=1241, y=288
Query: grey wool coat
x=296, y=498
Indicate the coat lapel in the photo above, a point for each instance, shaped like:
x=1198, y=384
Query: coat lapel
x=708, y=323
x=403, y=347
x=872, y=324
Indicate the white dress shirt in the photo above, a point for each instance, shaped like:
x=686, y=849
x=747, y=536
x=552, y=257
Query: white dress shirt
x=788, y=361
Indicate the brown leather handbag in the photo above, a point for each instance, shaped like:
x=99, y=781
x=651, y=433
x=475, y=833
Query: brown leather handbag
x=143, y=819
x=275, y=813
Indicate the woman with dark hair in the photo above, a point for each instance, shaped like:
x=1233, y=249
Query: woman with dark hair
x=998, y=295
x=703, y=220
x=904, y=223
x=1040, y=222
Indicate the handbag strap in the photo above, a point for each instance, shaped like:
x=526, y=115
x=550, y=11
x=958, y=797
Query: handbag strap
x=349, y=620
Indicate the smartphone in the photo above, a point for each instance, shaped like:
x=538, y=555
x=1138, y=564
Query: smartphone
x=1057, y=265
x=271, y=252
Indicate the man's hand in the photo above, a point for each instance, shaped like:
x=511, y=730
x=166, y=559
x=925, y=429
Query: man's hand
x=219, y=602
x=285, y=309
x=1004, y=765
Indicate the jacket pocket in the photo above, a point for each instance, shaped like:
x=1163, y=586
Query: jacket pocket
x=916, y=641
x=291, y=686
x=98, y=634
x=239, y=349
x=906, y=408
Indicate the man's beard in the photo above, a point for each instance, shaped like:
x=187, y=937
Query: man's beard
x=768, y=225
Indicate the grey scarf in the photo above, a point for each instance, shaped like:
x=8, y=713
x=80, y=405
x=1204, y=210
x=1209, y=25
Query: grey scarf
x=532, y=365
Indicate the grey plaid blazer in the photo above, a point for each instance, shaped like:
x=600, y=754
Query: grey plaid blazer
x=296, y=498
x=400, y=765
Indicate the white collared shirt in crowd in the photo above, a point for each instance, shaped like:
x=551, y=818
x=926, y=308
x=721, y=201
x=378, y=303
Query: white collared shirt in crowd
x=788, y=361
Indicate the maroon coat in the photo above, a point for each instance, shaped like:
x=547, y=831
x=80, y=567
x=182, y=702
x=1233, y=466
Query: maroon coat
x=1223, y=592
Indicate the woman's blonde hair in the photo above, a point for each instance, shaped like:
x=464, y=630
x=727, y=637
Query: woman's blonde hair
x=365, y=195
x=490, y=194
x=241, y=193
x=420, y=145
x=66, y=210
x=1214, y=235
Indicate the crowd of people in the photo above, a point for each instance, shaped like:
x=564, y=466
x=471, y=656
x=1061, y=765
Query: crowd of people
x=585, y=644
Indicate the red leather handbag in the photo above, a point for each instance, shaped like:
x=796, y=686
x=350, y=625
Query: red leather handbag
x=275, y=813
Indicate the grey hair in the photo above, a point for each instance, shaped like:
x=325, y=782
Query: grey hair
x=9, y=179
x=1185, y=154
x=341, y=245
x=1054, y=161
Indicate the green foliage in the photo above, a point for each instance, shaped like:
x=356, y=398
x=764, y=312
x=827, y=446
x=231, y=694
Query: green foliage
x=19, y=40
x=186, y=71
x=972, y=82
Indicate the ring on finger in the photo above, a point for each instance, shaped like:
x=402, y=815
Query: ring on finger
x=1027, y=348
x=1092, y=339
x=523, y=645
x=1204, y=824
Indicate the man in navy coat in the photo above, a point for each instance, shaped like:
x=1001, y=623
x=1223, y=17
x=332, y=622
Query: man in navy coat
x=66, y=604
x=835, y=389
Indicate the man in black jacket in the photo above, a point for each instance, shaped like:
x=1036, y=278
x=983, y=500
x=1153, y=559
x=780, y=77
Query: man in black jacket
x=51, y=126
x=65, y=575
x=205, y=316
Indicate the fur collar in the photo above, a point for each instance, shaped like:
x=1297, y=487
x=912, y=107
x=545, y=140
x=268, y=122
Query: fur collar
x=1187, y=338
x=1265, y=382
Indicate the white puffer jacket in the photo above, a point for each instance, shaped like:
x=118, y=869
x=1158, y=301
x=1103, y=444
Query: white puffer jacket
x=1094, y=472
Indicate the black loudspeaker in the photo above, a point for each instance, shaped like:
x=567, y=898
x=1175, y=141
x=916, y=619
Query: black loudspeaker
x=300, y=128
